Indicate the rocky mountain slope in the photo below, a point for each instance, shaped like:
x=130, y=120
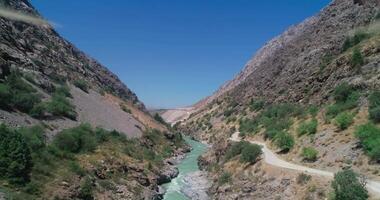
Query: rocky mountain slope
x=50, y=60
x=69, y=128
x=309, y=93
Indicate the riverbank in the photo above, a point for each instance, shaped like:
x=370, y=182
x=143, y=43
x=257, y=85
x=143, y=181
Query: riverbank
x=183, y=187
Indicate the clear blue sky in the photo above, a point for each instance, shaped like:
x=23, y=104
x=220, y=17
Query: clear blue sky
x=174, y=52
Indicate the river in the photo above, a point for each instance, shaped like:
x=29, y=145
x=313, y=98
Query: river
x=187, y=165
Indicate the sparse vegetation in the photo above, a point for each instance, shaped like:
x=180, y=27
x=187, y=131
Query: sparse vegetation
x=249, y=152
x=357, y=59
x=344, y=120
x=309, y=154
x=354, y=40
x=256, y=104
x=81, y=84
x=284, y=141
x=125, y=108
x=369, y=136
x=302, y=179
x=347, y=185
x=225, y=178
x=248, y=126
x=308, y=127
x=374, y=106
x=346, y=98
x=15, y=93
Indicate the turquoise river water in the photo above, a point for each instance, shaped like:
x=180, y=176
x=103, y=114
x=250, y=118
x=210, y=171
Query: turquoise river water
x=187, y=165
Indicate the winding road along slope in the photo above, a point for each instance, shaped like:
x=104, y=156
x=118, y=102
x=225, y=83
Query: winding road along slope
x=272, y=159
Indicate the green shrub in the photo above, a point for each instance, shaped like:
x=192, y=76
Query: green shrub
x=374, y=114
x=308, y=127
x=15, y=93
x=39, y=110
x=369, y=136
x=346, y=97
x=348, y=186
x=125, y=108
x=86, y=190
x=356, y=39
x=250, y=153
x=24, y=101
x=374, y=99
x=76, y=168
x=374, y=106
x=313, y=110
x=284, y=141
x=5, y=96
x=344, y=120
x=309, y=154
x=81, y=84
x=226, y=177
x=34, y=137
x=159, y=119
x=234, y=150
x=342, y=92
x=357, y=59
x=248, y=126
x=76, y=140
x=61, y=106
x=256, y=105
x=63, y=91
x=228, y=112
x=15, y=157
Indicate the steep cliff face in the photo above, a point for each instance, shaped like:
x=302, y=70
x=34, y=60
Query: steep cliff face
x=31, y=46
x=291, y=62
x=41, y=49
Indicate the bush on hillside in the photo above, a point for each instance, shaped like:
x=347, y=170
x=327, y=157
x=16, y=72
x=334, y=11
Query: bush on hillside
x=82, y=84
x=86, y=190
x=226, y=177
x=76, y=140
x=374, y=114
x=159, y=119
x=250, y=153
x=248, y=126
x=63, y=91
x=309, y=154
x=357, y=59
x=34, y=137
x=344, y=120
x=343, y=92
x=125, y=108
x=61, y=106
x=346, y=97
x=15, y=93
x=374, y=106
x=308, y=127
x=369, y=136
x=313, y=110
x=347, y=185
x=354, y=40
x=256, y=105
x=15, y=157
x=284, y=141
